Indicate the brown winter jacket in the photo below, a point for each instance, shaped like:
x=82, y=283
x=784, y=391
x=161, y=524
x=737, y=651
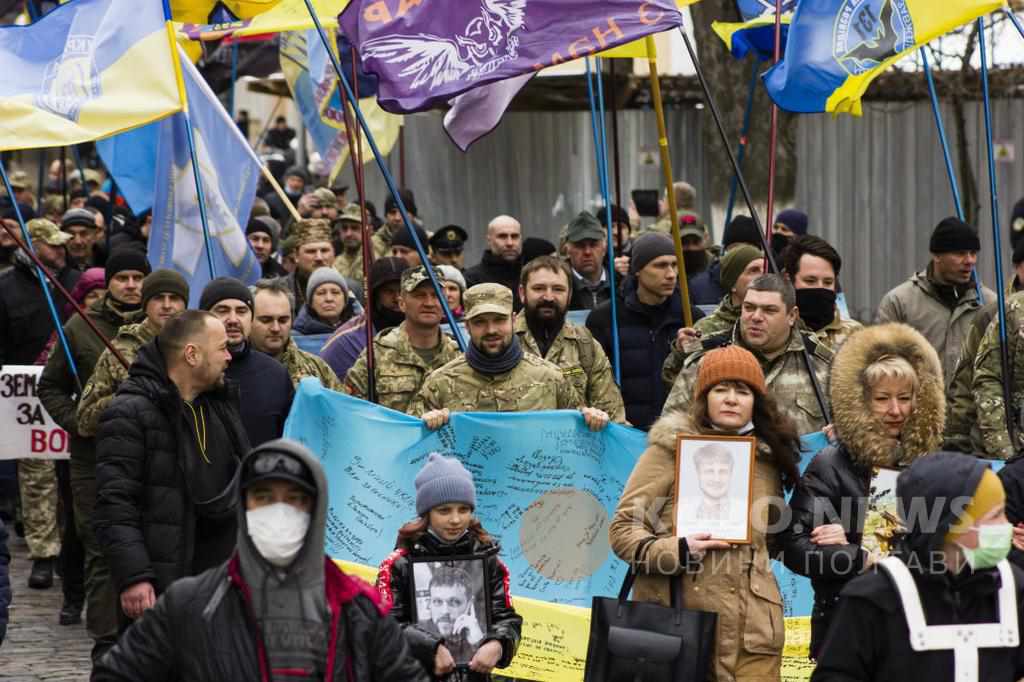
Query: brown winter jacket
x=737, y=583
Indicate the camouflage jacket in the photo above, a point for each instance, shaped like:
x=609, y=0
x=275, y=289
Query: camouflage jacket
x=350, y=265
x=534, y=384
x=723, y=319
x=962, y=431
x=785, y=375
x=987, y=386
x=381, y=241
x=584, y=363
x=400, y=370
x=835, y=332
x=109, y=374
x=301, y=364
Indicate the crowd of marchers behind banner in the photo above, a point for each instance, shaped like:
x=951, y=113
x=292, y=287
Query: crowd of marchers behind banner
x=192, y=536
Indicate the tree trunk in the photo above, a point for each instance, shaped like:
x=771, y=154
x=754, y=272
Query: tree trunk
x=729, y=80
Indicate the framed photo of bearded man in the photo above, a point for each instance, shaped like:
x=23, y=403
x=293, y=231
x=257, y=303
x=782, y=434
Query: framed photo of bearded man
x=451, y=602
x=714, y=486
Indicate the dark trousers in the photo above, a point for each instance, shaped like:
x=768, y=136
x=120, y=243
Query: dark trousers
x=72, y=553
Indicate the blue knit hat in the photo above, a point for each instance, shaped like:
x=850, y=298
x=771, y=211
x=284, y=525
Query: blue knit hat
x=443, y=480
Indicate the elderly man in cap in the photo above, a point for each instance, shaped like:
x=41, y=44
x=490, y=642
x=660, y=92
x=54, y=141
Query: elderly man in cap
x=586, y=245
x=446, y=246
x=81, y=224
x=406, y=354
x=313, y=249
x=495, y=374
x=264, y=385
x=348, y=243
x=263, y=239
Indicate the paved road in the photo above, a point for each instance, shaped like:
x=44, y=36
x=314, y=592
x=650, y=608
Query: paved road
x=37, y=648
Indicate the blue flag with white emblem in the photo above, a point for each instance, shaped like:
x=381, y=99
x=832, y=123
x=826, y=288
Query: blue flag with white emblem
x=229, y=171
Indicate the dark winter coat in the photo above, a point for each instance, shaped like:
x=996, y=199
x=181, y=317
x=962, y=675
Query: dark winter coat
x=5, y=580
x=145, y=517
x=706, y=287
x=491, y=268
x=265, y=391
x=586, y=297
x=646, y=335
x=25, y=321
x=835, y=486
x=1012, y=476
x=869, y=638
x=394, y=581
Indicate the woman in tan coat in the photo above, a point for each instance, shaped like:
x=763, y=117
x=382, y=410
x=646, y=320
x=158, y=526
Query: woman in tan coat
x=734, y=581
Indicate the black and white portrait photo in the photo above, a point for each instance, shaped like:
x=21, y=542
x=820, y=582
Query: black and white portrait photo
x=713, y=486
x=450, y=602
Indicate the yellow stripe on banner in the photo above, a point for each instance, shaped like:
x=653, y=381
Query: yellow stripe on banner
x=634, y=50
x=179, y=77
x=130, y=96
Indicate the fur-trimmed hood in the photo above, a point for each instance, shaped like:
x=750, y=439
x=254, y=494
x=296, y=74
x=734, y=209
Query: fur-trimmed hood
x=856, y=427
x=671, y=423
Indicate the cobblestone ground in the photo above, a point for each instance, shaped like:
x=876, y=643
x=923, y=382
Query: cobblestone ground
x=38, y=648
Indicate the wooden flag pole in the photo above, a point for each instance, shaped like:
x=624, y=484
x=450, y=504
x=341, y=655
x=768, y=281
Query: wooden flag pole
x=280, y=192
x=666, y=168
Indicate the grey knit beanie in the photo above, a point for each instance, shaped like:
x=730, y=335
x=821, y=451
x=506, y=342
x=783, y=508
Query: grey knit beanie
x=443, y=480
x=323, y=276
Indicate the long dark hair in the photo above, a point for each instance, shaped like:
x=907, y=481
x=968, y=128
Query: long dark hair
x=411, y=532
x=772, y=427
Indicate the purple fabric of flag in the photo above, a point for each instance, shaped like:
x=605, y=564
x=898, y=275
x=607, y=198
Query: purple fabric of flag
x=427, y=52
x=477, y=112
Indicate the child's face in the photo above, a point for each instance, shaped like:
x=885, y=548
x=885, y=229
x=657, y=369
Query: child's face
x=450, y=521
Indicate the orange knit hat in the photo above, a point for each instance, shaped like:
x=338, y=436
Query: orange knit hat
x=731, y=363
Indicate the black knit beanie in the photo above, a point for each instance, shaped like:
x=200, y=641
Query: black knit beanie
x=647, y=247
x=126, y=258
x=164, y=281
x=953, y=234
x=741, y=229
x=224, y=288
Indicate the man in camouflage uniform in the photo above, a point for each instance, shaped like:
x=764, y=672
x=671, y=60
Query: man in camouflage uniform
x=348, y=234
x=271, y=334
x=812, y=265
x=496, y=375
x=769, y=328
x=542, y=330
x=987, y=387
x=406, y=354
x=739, y=267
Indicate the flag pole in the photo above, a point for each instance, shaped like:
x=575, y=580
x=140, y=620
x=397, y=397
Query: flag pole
x=745, y=189
x=40, y=272
x=1004, y=356
x=601, y=151
x=280, y=192
x=666, y=168
x=741, y=148
x=234, y=77
x=388, y=178
x=615, y=136
x=1014, y=20
x=266, y=125
x=773, y=132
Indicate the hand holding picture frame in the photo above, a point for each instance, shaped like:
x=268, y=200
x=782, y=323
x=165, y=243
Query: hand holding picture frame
x=713, y=487
x=451, y=602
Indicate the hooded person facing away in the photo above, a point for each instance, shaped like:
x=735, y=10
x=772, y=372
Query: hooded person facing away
x=278, y=609
x=949, y=569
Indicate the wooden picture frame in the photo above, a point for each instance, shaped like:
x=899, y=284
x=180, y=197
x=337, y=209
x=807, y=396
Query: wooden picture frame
x=714, y=486
x=453, y=604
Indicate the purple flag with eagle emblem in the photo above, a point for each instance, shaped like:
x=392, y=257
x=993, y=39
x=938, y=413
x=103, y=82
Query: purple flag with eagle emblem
x=427, y=52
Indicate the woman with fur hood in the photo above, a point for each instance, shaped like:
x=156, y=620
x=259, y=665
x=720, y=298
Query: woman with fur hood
x=734, y=581
x=888, y=409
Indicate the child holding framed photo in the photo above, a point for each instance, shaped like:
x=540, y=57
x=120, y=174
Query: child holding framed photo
x=445, y=583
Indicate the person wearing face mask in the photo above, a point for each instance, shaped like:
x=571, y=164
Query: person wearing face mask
x=446, y=527
x=693, y=234
x=812, y=265
x=887, y=411
x=789, y=225
x=730, y=398
x=277, y=608
x=946, y=585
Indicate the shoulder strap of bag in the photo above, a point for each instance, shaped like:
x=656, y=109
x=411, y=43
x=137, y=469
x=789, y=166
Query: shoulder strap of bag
x=673, y=586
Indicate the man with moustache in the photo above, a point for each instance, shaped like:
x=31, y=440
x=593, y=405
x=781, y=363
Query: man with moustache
x=586, y=245
x=348, y=240
x=81, y=224
x=543, y=331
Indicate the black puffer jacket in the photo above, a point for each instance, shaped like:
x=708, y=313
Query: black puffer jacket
x=145, y=518
x=265, y=391
x=395, y=579
x=25, y=321
x=491, y=268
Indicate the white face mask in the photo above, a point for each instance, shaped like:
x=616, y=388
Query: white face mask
x=278, y=531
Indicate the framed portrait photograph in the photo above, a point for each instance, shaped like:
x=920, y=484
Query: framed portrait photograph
x=713, y=486
x=881, y=522
x=451, y=602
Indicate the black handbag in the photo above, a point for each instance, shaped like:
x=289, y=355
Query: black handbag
x=632, y=641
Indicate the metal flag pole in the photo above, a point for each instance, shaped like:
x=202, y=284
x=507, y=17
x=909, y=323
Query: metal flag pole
x=666, y=168
x=615, y=135
x=388, y=178
x=41, y=273
x=748, y=198
x=741, y=148
x=601, y=151
x=1014, y=20
x=1004, y=355
x=773, y=134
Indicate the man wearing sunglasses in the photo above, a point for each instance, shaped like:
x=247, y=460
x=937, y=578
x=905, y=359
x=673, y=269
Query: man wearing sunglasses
x=278, y=608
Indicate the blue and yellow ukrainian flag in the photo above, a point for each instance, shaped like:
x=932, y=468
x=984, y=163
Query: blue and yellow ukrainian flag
x=756, y=33
x=837, y=47
x=87, y=69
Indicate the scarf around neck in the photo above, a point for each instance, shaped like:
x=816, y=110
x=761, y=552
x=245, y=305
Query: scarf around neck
x=486, y=364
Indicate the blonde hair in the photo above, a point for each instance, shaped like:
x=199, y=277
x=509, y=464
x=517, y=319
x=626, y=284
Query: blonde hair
x=890, y=367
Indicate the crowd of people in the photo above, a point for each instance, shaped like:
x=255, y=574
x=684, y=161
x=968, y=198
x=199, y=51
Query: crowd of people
x=192, y=535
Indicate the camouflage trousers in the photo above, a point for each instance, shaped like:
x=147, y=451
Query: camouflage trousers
x=37, y=483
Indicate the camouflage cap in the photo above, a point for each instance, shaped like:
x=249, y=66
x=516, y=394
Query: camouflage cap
x=325, y=196
x=690, y=225
x=487, y=298
x=413, y=277
x=19, y=180
x=42, y=230
x=310, y=230
x=351, y=214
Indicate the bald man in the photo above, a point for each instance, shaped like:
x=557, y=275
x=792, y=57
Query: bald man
x=503, y=258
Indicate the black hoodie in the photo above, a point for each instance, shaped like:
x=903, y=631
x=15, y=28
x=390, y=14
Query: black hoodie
x=870, y=640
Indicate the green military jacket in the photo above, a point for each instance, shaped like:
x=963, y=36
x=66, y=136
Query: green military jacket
x=350, y=265
x=301, y=364
x=785, y=376
x=381, y=241
x=987, y=386
x=400, y=370
x=723, y=319
x=962, y=431
x=583, y=362
x=835, y=332
x=534, y=384
x=109, y=374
